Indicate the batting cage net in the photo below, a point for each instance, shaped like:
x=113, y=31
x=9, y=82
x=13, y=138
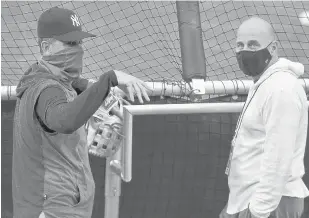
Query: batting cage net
x=178, y=160
x=142, y=38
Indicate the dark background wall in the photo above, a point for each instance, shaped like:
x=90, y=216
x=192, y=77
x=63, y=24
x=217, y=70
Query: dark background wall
x=178, y=167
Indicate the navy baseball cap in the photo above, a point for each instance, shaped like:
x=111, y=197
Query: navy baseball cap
x=61, y=24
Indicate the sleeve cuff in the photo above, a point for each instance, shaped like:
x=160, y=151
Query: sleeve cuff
x=111, y=77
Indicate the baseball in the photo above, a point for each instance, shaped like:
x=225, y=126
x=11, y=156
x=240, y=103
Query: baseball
x=304, y=18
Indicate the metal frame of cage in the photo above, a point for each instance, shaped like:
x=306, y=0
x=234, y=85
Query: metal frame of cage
x=119, y=167
x=176, y=88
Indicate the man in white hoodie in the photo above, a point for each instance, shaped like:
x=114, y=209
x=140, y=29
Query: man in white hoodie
x=265, y=167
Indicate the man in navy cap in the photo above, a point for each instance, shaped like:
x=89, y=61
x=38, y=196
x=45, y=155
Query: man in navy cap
x=51, y=172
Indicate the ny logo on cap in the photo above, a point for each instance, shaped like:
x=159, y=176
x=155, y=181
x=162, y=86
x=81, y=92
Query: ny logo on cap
x=75, y=20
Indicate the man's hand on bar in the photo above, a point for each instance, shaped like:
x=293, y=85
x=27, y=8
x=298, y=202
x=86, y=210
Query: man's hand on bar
x=132, y=85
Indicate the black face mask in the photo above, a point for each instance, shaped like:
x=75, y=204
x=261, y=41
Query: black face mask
x=253, y=63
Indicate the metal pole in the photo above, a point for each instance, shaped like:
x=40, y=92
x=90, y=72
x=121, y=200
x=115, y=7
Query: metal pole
x=191, y=40
x=191, y=45
x=185, y=108
x=118, y=167
x=201, y=108
x=127, y=147
x=229, y=87
x=112, y=187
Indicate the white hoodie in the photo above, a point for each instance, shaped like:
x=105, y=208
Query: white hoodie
x=267, y=161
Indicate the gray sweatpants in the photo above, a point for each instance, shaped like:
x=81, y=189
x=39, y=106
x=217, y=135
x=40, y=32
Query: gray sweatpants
x=288, y=207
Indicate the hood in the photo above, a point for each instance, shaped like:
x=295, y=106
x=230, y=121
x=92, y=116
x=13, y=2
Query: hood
x=31, y=77
x=294, y=68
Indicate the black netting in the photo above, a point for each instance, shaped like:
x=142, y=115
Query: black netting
x=142, y=37
x=220, y=21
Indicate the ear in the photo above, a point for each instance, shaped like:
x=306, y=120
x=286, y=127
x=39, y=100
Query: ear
x=273, y=48
x=45, y=48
